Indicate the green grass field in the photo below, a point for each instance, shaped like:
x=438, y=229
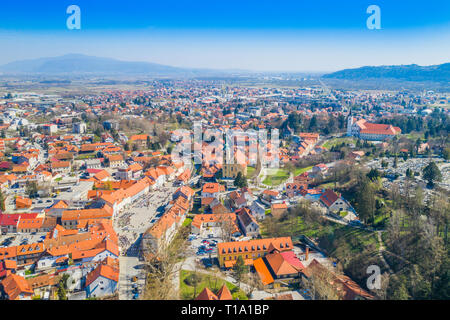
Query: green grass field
x=335, y=141
x=329, y=185
x=301, y=170
x=212, y=282
x=277, y=178
x=357, y=239
x=250, y=172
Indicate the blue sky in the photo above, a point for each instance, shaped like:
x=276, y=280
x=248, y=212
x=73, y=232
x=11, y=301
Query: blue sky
x=276, y=35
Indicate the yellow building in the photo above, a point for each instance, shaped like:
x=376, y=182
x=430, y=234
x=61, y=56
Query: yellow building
x=228, y=252
x=232, y=170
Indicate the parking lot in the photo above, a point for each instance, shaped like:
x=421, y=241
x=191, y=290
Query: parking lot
x=204, y=245
x=16, y=239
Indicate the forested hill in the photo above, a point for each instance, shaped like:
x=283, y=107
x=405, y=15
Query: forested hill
x=413, y=72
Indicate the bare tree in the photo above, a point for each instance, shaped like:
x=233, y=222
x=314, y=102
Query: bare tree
x=227, y=226
x=162, y=268
x=323, y=285
x=253, y=283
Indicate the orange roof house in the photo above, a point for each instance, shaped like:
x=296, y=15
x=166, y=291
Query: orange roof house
x=277, y=209
x=71, y=218
x=60, y=165
x=8, y=253
x=28, y=249
x=215, y=219
x=345, y=287
x=29, y=225
x=16, y=287
x=329, y=197
x=23, y=203
x=115, y=158
x=103, y=270
x=139, y=137
x=223, y=294
x=206, y=294
x=61, y=204
x=212, y=188
x=263, y=271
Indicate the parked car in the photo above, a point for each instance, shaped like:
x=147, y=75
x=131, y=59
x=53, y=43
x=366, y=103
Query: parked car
x=6, y=243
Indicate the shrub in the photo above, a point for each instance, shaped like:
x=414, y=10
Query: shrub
x=192, y=279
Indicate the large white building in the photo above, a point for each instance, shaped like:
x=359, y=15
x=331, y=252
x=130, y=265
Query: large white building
x=370, y=131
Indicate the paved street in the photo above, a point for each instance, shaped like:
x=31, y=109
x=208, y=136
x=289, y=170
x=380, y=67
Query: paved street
x=130, y=267
x=130, y=224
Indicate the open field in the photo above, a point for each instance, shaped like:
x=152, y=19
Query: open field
x=188, y=292
x=250, y=172
x=336, y=141
x=277, y=178
x=301, y=170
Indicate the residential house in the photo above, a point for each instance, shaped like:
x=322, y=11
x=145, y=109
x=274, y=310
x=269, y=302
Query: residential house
x=15, y=287
x=344, y=287
x=226, y=221
x=248, y=223
x=116, y=161
x=277, y=209
x=258, y=210
x=277, y=269
x=102, y=281
x=334, y=202
x=62, y=167
x=212, y=190
x=93, y=163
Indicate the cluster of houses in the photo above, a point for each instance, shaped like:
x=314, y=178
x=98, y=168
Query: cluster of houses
x=159, y=236
x=277, y=265
x=87, y=253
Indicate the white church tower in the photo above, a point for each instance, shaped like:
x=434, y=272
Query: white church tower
x=349, y=123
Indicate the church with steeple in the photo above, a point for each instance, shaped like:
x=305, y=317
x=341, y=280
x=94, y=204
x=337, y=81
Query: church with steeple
x=370, y=131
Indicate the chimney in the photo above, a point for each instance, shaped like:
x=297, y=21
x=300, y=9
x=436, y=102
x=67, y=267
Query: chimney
x=306, y=253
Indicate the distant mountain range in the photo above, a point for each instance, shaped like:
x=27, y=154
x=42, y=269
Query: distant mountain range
x=83, y=64
x=79, y=64
x=413, y=72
